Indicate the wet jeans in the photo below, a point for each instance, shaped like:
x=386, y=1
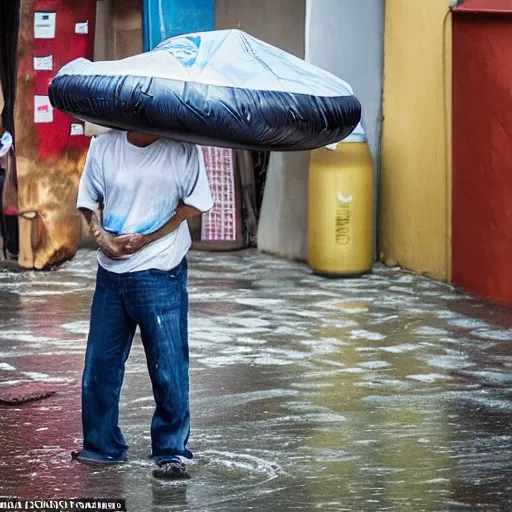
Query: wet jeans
x=157, y=302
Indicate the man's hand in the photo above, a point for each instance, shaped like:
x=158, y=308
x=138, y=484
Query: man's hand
x=118, y=246
x=130, y=244
x=106, y=242
x=113, y=246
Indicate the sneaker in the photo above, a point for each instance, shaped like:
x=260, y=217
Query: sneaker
x=171, y=470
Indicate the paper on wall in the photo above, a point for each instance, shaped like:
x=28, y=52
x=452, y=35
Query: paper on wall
x=77, y=129
x=82, y=28
x=44, y=25
x=43, y=63
x=43, y=110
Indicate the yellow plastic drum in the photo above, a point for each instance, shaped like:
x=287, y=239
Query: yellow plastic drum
x=341, y=210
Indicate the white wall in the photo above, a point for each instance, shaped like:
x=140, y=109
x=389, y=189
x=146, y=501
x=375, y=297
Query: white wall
x=344, y=37
x=283, y=225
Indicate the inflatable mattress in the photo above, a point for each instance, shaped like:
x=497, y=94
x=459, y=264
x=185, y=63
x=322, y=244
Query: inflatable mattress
x=220, y=88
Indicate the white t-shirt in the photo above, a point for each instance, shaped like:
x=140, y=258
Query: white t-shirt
x=140, y=189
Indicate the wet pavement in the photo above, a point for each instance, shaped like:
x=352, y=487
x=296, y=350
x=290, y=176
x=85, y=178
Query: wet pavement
x=389, y=392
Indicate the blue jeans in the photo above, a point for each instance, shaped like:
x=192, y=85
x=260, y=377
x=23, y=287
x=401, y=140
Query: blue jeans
x=157, y=302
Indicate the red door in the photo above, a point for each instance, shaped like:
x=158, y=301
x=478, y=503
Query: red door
x=482, y=148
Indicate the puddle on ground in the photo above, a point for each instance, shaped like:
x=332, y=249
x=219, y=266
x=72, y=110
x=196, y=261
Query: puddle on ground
x=389, y=392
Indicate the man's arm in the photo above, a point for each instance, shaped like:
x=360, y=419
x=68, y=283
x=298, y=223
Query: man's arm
x=92, y=218
x=90, y=199
x=106, y=241
x=183, y=213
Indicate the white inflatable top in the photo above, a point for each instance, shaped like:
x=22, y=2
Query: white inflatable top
x=229, y=58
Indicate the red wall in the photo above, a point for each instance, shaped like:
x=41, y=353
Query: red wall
x=54, y=138
x=49, y=157
x=482, y=154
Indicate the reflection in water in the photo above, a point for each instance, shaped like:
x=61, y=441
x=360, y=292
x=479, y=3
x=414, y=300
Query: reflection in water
x=169, y=494
x=391, y=392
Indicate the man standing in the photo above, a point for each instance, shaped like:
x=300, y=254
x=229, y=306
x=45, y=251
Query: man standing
x=136, y=193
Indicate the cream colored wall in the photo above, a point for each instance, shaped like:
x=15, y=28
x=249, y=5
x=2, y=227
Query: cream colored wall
x=283, y=224
x=277, y=22
x=104, y=35
x=118, y=29
x=415, y=186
